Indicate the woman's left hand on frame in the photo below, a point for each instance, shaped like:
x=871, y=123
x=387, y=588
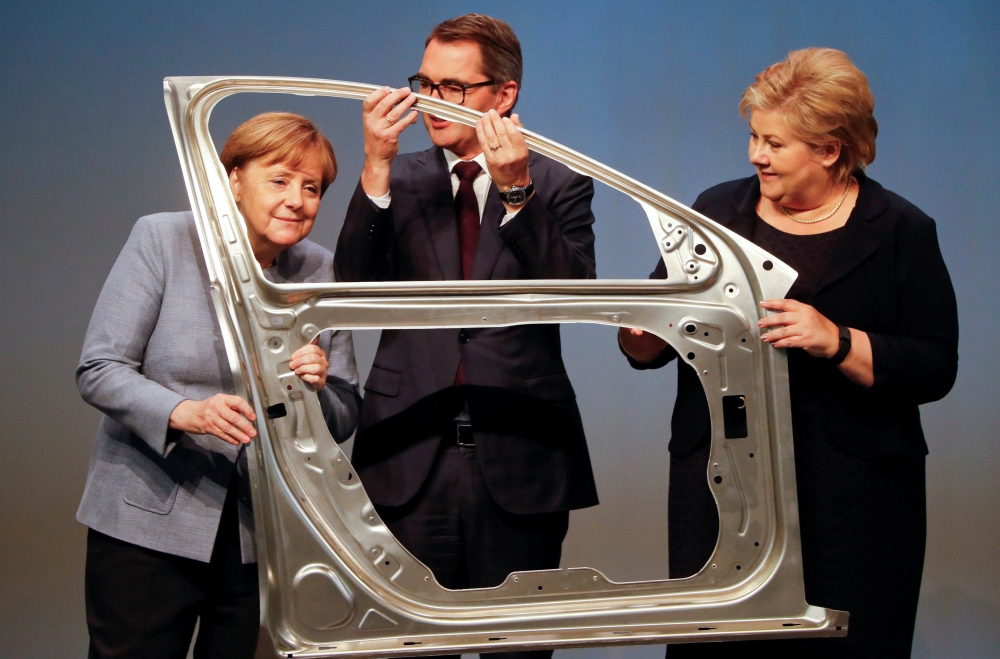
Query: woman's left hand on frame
x=799, y=326
x=310, y=363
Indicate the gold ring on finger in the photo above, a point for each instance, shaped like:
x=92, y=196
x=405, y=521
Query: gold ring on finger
x=494, y=148
x=391, y=122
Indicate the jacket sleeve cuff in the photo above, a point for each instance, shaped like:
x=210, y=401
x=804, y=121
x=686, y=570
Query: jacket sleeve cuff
x=881, y=363
x=661, y=360
x=154, y=427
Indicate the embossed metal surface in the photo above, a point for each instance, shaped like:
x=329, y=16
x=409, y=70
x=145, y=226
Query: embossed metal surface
x=334, y=581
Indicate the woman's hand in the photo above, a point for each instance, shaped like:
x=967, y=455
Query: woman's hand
x=223, y=415
x=800, y=326
x=310, y=363
x=641, y=346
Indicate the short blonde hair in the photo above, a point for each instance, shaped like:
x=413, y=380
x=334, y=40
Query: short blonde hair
x=823, y=98
x=279, y=137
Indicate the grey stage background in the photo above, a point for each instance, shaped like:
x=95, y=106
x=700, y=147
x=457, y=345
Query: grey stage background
x=648, y=88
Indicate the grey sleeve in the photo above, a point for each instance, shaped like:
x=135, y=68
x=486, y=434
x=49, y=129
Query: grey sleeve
x=340, y=399
x=110, y=375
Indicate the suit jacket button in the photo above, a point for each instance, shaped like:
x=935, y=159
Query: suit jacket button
x=463, y=337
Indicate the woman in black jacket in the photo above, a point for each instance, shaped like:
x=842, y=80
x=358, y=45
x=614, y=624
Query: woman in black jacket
x=871, y=329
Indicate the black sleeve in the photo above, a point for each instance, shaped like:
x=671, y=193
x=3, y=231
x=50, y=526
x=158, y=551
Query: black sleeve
x=668, y=354
x=553, y=234
x=918, y=362
x=365, y=246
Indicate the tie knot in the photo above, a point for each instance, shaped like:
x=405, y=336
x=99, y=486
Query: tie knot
x=467, y=170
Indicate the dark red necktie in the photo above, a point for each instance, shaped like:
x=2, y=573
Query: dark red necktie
x=467, y=214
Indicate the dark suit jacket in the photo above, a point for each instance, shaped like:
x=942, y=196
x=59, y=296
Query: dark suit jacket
x=886, y=277
x=526, y=424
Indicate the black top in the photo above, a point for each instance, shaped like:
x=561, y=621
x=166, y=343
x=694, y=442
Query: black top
x=884, y=276
x=808, y=255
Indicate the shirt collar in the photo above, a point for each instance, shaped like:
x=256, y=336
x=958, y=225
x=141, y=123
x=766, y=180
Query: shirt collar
x=451, y=160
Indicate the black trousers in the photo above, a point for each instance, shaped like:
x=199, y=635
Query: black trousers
x=455, y=528
x=145, y=603
x=863, y=529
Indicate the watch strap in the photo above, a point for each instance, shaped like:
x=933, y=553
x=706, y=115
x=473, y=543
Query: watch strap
x=528, y=189
x=845, y=345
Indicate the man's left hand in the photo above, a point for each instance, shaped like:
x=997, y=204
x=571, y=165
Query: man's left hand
x=505, y=150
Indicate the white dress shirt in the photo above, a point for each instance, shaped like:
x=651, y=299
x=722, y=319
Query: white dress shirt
x=481, y=186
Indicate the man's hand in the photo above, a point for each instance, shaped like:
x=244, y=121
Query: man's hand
x=505, y=150
x=384, y=114
x=310, y=363
x=641, y=346
x=224, y=416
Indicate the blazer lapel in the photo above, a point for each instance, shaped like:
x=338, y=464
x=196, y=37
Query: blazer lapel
x=432, y=186
x=859, y=240
x=490, y=245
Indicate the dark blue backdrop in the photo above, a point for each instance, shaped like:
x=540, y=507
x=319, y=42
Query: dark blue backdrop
x=648, y=88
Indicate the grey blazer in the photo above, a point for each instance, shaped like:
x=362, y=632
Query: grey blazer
x=154, y=341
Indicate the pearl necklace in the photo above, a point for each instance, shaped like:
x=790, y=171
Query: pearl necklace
x=825, y=217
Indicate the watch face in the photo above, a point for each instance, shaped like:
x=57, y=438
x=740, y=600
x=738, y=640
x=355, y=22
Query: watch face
x=515, y=196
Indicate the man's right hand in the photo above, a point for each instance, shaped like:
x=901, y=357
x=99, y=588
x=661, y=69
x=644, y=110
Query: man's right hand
x=641, y=346
x=385, y=116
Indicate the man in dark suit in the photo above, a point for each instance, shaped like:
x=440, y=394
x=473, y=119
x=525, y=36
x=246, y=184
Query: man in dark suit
x=470, y=443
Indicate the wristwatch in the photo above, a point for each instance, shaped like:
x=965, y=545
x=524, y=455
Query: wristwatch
x=518, y=195
x=845, y=345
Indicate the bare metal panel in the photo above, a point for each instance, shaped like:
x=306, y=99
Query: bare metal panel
x=334, y=581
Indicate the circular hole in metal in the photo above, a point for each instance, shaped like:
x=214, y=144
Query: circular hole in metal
x=768, y=265
x=387, y=562
x=743, y=340
x=699, y=249
x=739, y=567
x=756, y=544
x=690, y=328
x=751, y=455
x=690, y=355
x=539, y=588
x=717, y=479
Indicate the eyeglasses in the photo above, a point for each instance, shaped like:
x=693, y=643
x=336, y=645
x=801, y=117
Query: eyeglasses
x=446, y=91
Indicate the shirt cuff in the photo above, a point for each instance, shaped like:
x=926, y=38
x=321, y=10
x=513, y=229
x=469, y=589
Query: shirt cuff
x=509, y=216
x=383, y=201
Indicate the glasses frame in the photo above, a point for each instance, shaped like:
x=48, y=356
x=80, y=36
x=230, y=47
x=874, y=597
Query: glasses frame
x=437, y=87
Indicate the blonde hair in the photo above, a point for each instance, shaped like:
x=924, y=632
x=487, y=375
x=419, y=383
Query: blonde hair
x=823, y=98
x=279, y=137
